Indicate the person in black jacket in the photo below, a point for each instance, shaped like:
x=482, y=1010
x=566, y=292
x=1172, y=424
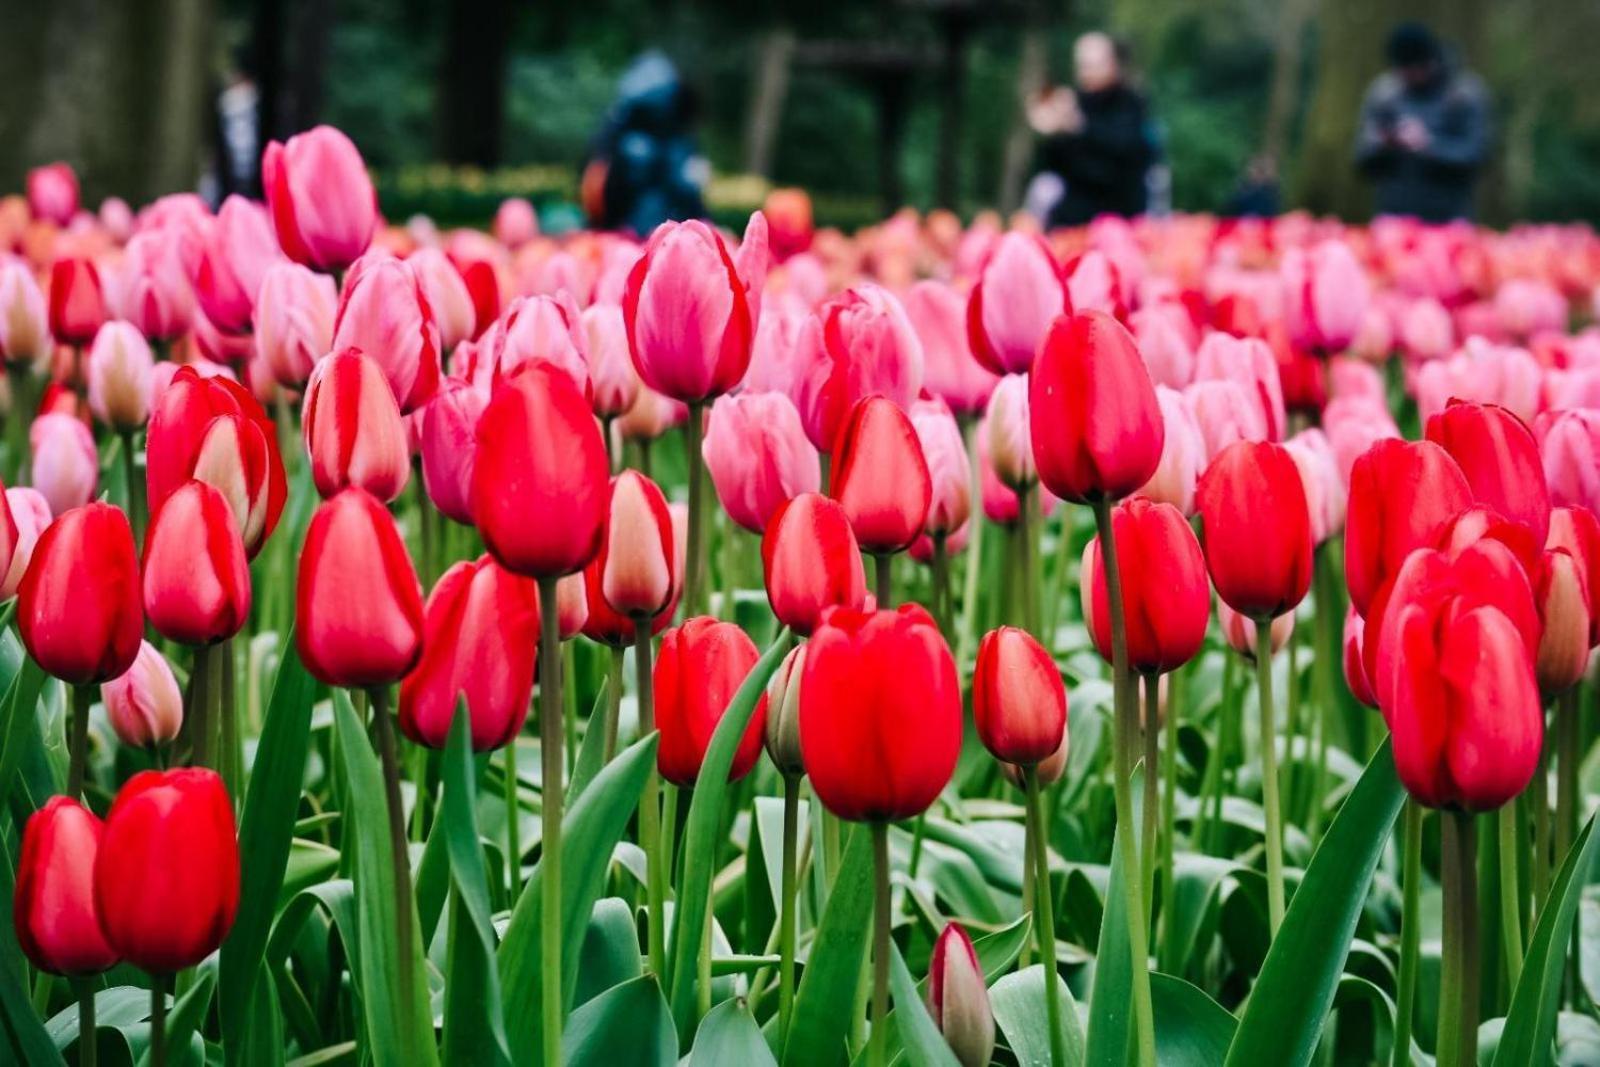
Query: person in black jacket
x=1097, y=138
x=644, y=164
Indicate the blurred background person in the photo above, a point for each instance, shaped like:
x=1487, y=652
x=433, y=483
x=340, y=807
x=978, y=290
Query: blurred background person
x=1258, y=194
x=1424, y=130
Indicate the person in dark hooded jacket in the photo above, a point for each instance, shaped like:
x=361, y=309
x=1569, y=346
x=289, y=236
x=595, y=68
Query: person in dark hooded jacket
x=644, y=165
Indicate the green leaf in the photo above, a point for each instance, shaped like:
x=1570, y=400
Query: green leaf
x=610, y=954
x=474, y=1027
x=1111, y=996
x=592, y=750
x=1020, y=1012
x=1289, y=1002
x=266, y=832
x=627, y=1024
x=590, y=830
x=184, y=1019
x=1192, y=1030
x=22, y=697
x=693, y=902
x=925, y=1046
x=729, y=1035
x=1531, y=1023
x=825, y=1000
x=388, y=1006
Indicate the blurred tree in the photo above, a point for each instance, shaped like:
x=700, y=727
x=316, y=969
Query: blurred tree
x=472, y=81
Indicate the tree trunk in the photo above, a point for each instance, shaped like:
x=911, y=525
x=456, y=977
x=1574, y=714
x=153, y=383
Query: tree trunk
x=1287, y=63
x=952, y=101
x=1031, y=69
x=472, y=81
x=766, y=100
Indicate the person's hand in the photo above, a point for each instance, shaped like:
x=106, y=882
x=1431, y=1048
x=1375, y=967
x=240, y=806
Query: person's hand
x=1411, y=134
x=1054, y=111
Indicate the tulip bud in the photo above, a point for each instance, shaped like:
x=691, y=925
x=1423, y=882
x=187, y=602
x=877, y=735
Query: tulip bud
x=515, y=222
x=1019, y=704
x=1562, y=596
x=1048, y=770
x=651, y=416
x=1096, y=426
x=78, y=608
x=1247, y=362
x=1569, y=445
x=1242, y=633
x=880, y=477
x=950, y=372
x=536, y=329
x=77, y=306
x=1183, y=454
x=636, y=577
x=1500, y=459
x=864, y=345
x=323, y=205
x=616, y=383
x=880, y=713
x=196, y=577
x=53, y=910
x=447, y=296
x=783, y=715
x=958, y=998
x=810, y=561
x=572, y=605
x=120, y=371
x=359, y=617
x=758, y=456
x=352, y=429
x=1026, y=291
x=1329, y=294
x=949, y=471
x=156, y=295
x=1327, y=498
x=293, y=320
x=144, y=704
x=699, y=670
x=166, y=881
x=1401, y=494
x=1575, y=530
x=384, y=313
x=1165, y=595
x=478, y=614
x=24, y=321
x=1355, y=670
x=449, y=443
x=65, y=467
x=1257, y=529
x=236, y=248
x=1008, y=435
x=53, y=192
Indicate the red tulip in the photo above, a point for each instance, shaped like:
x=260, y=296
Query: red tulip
x=384, y=313
x=1577, y=531
x=1096, y=426
x=1257, y=529
x=1019, y=704
x=479, y=642
x=293, y=320
x=880, y=477
x=78, y=608
x=1500, y=459
x=1401, y=494
x=880, y=713
x=352, y=428
x=53, y=909
x=53, y=192
x=77, y=305
x=323, y=205
x=196, y=577
x=958, y=998
x=637, y=561
x=166, y=881
x=811, y=562
x=236, y=248
x=700, y=668
x=1019, y=294
x=1166, y=597
x=358, y=618
x=758, y=456
x=540, y=456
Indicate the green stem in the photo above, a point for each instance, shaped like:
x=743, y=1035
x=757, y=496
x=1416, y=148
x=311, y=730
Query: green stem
x=231, y=755
x=1122, y=770
x=1030, y=831
x=650, y=808
x=786, y=935
x=399, y=857
x=550, y=787
x=569, y=704
x=1044, y=909
x=78, y=742
x=1410, y=932
x=695, y=565
x=941, y=585
x=1566, y=772
x=1152, y=796
x=1269, y=773
x=883, y=580
x=88, y=1046
x=130, y=475
x=1169, y=792
x=1510, y=895
x=158, y=1020
x=1458, y=972
x=199, y=703
x=1539, y=800
x=880, y=946
x=1216, y=768
x=1026, y=578
x=974, y=553
x=1291, y=722
x=513, y=794
x=614, y=703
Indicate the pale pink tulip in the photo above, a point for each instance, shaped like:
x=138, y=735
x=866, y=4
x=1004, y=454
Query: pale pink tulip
x=758, y=456
x=1183, y=454
x=616, y=383
x=120, y=372
x=948, y=467
x=384, y=312
x=447, y=296
x=66, y=467
x=293, y=320
x=144, y=704
x=1019, y=293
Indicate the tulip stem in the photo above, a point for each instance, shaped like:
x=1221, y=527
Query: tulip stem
x=78, y=743
x=1027, y=578
x=1269, y=773
x=1458, y=970
x=1510, y=895
x=880, y=945
x=130, y=475
x=569, y=704
x=883, y=580
x=1539, y=801
x=614, y=704
x=1566, y=771
x=1216, y=765
x=1169, y=790
x=941, y=585
x=231, y=755
x=1122, y=789
x=974, y=553
x=1410, y=932
x=158, y=1020
x=399, y=856
x=1152, y=796
x=18, y=418
x=695, y=564
x=88, y=1048
x=786, y=934
x=200, y=682
x=550, y=738
x=656, y=862
x=513, y=820
x=1044, y=909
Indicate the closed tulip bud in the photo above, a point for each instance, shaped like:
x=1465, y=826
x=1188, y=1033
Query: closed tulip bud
x=880, y=477
x=616, y=383
x=24, y=514
x=1019, y=704
x=1329, y=293
x=1574, y=530
x=1562, y=596
x=196, y=576
x=539, y=454
x=949, y=470
x=358, y=616
x=1048, y=770
x=65, y=465
x=24, y=319
x=689, y=316
x=236, y=248
x=572, y=605
x=950, y=372
x=1183, y=454
x=651, y=416
x=120, y=373
x=323, y=205
x=1327, y=497
x=1500, y=459
x=1224, y=414
x=536, y=329
x=1166, y=597
x=1257, y=529
x=783, y=715
x=384, y=313
x=1249, y=363
x=1243, y=634
x=1019, y=294
x=78, y=608
x=958, y=998
x=293, y=319
x=515, y=222
x=1569, y=445
x=447, y=295
x=1355, y=671
x=144, y=704
x=1165, y=336
x=699, y=670
x=156, y=294
x=811, y=562
x=1009, y=435
x=53, y=193
x=1402, y=493
x=166, y=881
x=864, y=345
x=449, y=445
x=480, y=637
x=352, y=428
x=1094, y=419
x=637, y=575
x=53, y=909
x=77, y=305
x=880, y=713
x=758, y=456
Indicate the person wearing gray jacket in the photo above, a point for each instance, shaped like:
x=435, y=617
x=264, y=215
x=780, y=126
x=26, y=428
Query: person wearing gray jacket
x=1424, y=131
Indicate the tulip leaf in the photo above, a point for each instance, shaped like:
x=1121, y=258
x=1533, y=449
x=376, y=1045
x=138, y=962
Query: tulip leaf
x=1192, y=1030
x=266, y=834
x=592, y=749
x=729, y=1034
x=590, y=830
x=1283, y=1019
x=1020, y=1012
x=399, y=1024
x=629, y=1023
x=21, y=700
x=1111, y=997
x=924, y=1045
x=474, y=1028
x=825, y=1000
x=693, y=903
x=611, y=953
x=1530, y=1025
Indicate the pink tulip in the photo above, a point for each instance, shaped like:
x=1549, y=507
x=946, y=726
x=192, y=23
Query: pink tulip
x=352, y=430
x=384, y=312
x=1183, y=454
x=515, y=222
x=1240, y=632
x=293, y=320
x=535, y=329
x=323, y=204
x=1162, y=332
x=120, y=371
x=144, y=704
x=1020, y=292
x=1483, y=372
x=66, y=467
x=775, y=356
x=616, y=383
x=1250, y=363
x=1007, y=430
x=1224, y=413
x=30, y=512
x=1525, y=306
x=1354, y=379
x=868, y=346
x=1095, y=284
x=1374, y=342
x=236, y=249
x=158, y=297
x=53, y=193
x=116, y=219
x=1354, y=425
x=1569, y=444
x=24, y=317
x=1327, y=493
x=447, y=295
x=1426, y=331
x=651, y=416
x=449, y=434
x=948, y=467
x=758, y=456
x=950, y=371
x=1328, y=292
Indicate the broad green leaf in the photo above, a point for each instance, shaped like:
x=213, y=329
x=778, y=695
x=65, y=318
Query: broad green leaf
x=728, y=1035
x=610, y=953
x=22, y=697
x=826, y=997
x=1021, y=1014
x=1284, y=1016
x=1192, y=1030
x=693, y=900
x=1530, y=1025
x=592, y=751
x=627, y=1024
x=924, y=1045
x=266, y=831
x=398, y=1022
x=1111, y=996
x=590, y=830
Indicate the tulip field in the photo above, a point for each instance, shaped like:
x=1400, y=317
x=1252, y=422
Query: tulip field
x=1162, y=642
